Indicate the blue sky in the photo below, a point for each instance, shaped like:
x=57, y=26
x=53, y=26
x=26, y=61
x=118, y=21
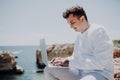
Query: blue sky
x=25, y=22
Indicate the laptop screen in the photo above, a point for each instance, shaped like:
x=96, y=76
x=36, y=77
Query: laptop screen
x=43, y=51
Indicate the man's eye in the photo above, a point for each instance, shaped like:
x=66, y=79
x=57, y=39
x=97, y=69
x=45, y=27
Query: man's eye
x=72, y=22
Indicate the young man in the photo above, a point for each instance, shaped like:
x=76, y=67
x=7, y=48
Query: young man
x=92, y=57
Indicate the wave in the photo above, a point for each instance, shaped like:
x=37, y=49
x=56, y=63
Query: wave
x=17, y=52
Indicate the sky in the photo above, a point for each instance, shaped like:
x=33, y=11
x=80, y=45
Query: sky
x=25, y=22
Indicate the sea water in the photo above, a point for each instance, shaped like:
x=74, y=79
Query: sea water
x=27, y=60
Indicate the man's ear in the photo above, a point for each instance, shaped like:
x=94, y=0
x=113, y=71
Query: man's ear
x=82, y=18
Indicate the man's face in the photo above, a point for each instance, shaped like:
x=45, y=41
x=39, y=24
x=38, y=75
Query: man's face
x=76, y=23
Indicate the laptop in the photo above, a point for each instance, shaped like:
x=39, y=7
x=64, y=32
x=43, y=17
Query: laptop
x=44, y=55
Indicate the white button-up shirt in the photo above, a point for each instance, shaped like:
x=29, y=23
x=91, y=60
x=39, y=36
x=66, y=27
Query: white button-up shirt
x=93, y=50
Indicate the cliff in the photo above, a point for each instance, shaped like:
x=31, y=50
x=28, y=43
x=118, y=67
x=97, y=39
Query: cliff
x=8, y=63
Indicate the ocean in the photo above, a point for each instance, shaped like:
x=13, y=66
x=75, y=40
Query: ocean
x=27, y=60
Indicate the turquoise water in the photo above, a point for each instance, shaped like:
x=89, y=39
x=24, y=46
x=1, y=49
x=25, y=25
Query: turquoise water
x=27, y=60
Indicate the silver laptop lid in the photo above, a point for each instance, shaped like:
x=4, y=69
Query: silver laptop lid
x=43, y=51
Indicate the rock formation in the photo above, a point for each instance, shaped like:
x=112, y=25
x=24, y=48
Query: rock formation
x=116, y=43
x=116, y=56
x=8, y=63
x=39, y=62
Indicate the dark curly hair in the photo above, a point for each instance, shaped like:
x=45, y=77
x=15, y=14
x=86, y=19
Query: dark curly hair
x=76, y=11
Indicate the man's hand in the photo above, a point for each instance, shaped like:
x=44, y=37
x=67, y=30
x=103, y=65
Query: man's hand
x=60, y=62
